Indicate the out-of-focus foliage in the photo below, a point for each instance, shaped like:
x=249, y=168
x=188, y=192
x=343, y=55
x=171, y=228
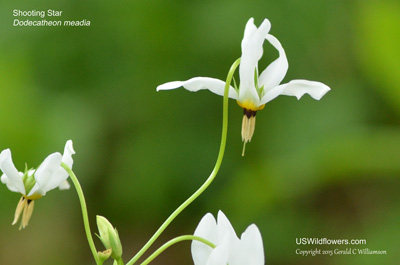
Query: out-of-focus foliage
x=379, y=33
x=326, y=168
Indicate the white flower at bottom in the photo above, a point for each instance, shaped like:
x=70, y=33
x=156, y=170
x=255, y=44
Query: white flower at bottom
x=229, y=248
x=34, y=184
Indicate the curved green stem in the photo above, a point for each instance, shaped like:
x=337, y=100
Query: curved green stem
x=84, y=211
x=174, y=241
x=210, y=178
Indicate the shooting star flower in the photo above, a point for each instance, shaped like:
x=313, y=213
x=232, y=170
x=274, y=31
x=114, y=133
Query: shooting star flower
x=34, y=184
x=255, y=90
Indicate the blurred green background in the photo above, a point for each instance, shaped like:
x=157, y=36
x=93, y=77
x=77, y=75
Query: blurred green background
x=324, y=169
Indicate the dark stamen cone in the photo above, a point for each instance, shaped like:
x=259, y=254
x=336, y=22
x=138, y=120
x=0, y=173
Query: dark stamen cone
x=24, y=207
x=26, y=216
x=248, y=126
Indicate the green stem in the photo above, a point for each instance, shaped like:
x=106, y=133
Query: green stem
x=210, y=178
x=174, y=241
x=84, y=211
x=118, y=262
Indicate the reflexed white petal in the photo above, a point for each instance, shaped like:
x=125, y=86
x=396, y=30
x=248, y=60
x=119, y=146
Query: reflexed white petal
x=10, y=186
x=297, y=88
x=57, y=179
x=251, y=29
x=252, y=51
x=276, y=71
x=206, y=229
x=11, y=177
x=225, y=227
x=49, y=175
x=198, y=83
x=64, y=185
x=68, y=152
x=250, y=250
x=253, y=37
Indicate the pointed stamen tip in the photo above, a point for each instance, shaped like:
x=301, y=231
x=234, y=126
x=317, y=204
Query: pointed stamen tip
x=20, y=208
x=248, y=126
x=25, y=208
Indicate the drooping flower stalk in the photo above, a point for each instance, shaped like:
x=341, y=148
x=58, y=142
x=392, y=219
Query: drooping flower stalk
x=173, y=242
x=84, y=212
x=210, y=178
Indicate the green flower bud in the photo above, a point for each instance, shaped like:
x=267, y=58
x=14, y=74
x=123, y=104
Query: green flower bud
x=109, y=237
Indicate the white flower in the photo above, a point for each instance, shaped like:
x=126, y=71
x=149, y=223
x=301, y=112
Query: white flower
x=229, y=248
x=255, y=90
x=33, y=184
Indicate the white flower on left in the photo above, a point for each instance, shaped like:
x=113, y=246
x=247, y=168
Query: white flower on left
x=33, y=184
x=229, y=249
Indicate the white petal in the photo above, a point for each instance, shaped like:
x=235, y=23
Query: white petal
x=64, y=185
x=198, y=83
x=251, y=250
x=220, y=254
x=252, y=50
x=10, y=186
x=253, y=36
x=49, y=175
x=206, y=229
x=68, y=152
x=11, y=177
x=297, y=88
x=276, y=71
x=251, y=29
x=225, y=227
